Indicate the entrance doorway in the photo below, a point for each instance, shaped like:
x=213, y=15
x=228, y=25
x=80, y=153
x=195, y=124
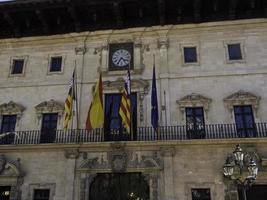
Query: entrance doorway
x=119, y=186
x=5, y=192
x=255, y=192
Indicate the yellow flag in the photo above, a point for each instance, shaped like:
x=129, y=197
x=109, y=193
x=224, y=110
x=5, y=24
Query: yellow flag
x=95, y=117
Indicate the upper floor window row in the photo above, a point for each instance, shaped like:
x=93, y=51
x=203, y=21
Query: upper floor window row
x=121, y=57
x=18, y=65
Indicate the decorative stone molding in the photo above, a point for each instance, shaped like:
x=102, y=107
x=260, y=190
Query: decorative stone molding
x=119, y=159
x=50, y=106
x=163, y=42
x=167, y=151
x=189, y=186
x=80, y=50
x=264, y=162
x=50, y=186
x=194, y=100
x=122, y=161
x=71, y=153
x=11, y=174
x=137, y=85
x=242, y=98
x=11, y=108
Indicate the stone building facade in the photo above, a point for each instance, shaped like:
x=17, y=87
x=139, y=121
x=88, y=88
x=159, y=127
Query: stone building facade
x=210, y=78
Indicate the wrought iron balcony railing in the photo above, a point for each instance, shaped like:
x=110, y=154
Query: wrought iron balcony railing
x=213, y=131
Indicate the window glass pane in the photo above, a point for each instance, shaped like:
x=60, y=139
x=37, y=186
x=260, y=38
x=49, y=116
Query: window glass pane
x=56, y=63
x=17, y=67
x=200, y=194
x=234, y=51
x=8, y=123
x=50, y=121
x=190, y=54
x=41, y=194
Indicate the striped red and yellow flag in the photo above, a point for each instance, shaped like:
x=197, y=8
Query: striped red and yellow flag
x=95, y=117
x=69, y=102
x=125, y=106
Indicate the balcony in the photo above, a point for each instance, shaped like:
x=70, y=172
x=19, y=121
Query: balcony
x=164, y=133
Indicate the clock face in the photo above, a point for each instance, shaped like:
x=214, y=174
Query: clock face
x=121, y=58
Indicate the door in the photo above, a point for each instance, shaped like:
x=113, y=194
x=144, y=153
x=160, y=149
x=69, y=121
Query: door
x=114, y=130
x=8, y=126
x=119, y=186
x=5, y=192
x=195, y=125
x=244, y=120
x=255, y=192
x=49, y=127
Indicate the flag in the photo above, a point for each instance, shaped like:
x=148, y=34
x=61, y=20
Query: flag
x=125, y=106
x=69, y=102
x=95, y=117
x=154, y=103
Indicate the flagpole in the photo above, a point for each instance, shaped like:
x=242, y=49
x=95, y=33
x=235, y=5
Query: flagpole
x=76, y=97
x=130, y=92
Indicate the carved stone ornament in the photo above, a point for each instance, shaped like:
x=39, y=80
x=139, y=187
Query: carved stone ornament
x=50, y=106
x=80, y=50
x=242, y=98
x=117, y=85
x=11, y=174
x=121, y=160
x=11, y=108
x=71, y=153
x=194, y=100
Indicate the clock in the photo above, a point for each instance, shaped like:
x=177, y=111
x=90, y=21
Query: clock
x=120, y=56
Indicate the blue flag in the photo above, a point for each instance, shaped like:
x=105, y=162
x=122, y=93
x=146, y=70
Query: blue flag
x=154, y=103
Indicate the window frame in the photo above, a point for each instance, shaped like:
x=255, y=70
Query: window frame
x=200, y=189
x=243, y=114
x=56, y=55
x=112, y=47
x=200, y=185
x=12, y=62
x=190, y=45
x=242, y=49
x=50, y=186
x=44, y=189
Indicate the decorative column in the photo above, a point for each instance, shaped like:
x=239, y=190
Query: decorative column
x=168, y=154
x=71, y=155
x=163, y=70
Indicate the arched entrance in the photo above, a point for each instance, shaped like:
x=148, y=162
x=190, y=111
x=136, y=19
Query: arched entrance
x=119, y=186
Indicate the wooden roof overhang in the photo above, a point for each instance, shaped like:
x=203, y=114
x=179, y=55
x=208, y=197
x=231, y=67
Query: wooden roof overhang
x=22, y=18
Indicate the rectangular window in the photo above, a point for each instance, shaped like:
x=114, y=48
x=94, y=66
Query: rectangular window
x=49, y=127
x=41, y=194
x=200, y=194
x=5, y=192
x=56, y=64
x=190, y=55
x=113, y=126
x=244, y=120
x=195, y=125
x=17, y=66
x=234, y=52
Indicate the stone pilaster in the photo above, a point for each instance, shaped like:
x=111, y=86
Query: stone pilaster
x=168, y=154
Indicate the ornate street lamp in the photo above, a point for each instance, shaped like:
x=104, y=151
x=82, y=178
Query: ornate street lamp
x=241, y=168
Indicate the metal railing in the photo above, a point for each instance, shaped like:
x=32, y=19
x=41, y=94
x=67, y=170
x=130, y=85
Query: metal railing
x=212, y=131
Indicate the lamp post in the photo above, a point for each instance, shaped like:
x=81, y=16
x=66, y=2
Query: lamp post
x=241, y=168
